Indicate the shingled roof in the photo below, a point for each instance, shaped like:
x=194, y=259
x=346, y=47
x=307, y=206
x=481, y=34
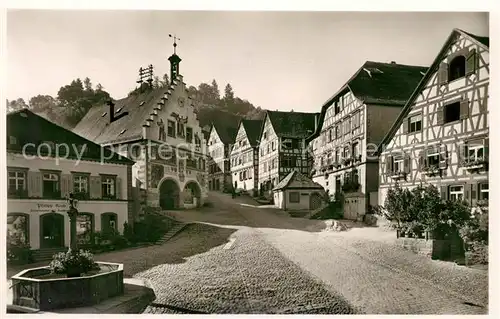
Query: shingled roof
x=29, y=127
x=296, y=180
x=379, y=83
x=95, y=124
x=484, y=41
x=253, y=129
x=227, y=133
x=292, y=124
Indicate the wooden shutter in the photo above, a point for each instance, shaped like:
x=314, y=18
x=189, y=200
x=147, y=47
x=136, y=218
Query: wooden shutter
x=464, y=109
x=468, y=193
x=470, y=66
x=444, y=192
x=388, y=165
x=406, y=123
x=66, y=185
x=118, y=191
x=486, y=145
x=407, y=163
x=421, y=160
x=35, y=184
x=95, y=187
x=443, y=157
x=462, y=154
x=440, y=115
x=443, y=73
x=474, y=194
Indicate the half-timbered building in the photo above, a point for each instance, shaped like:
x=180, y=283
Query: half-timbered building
x=283, y=146
x=220, y=142
x=159, y=129
x=441, y=136
x=46, y=163
x=351, y=125
x=244, y=156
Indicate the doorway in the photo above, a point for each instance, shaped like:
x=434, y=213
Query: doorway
x=51, y=230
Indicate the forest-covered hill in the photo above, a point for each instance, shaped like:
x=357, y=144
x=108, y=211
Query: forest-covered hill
x=75, y=99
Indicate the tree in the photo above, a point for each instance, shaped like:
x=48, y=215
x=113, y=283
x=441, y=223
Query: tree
x=215, y=90
x=42, y=103
x=228, y=92
x=99, y=87
x=156, y=82
x=16, y=105
x=165, y=81
x=87, y=84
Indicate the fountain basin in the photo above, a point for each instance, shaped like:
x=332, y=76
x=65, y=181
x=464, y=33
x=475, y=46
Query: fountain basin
x=37, y=288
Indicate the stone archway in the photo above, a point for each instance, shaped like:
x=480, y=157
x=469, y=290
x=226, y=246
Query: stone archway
x=192, y=194
x=169, y=194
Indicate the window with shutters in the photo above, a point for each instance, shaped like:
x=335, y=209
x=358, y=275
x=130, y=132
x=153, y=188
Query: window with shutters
x=189, y=134
x=483, y=191
x=81, y=186
x=108, y=187
x=294, y=197
x=415, y=123
x=475, y=153
x=171, y=128
x=432, y=158
x=347, y=152
x=456, y=69
x=17, y=183
x=51, y=185
x=452, y=112
x=456, y=192
x=181, y=129
x=398, y=164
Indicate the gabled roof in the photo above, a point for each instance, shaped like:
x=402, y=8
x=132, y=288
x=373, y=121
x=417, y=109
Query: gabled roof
x=253, y=129
x=95, y=124
x=227, y=133
x=378, y=83
x=296, y=180
x=432, y=69
x=29, y=127
x=292, y=124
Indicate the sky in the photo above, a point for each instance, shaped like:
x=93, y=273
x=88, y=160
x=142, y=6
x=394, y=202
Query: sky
x=276, y=60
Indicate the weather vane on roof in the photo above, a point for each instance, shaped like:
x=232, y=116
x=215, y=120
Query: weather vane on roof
x=175, y=41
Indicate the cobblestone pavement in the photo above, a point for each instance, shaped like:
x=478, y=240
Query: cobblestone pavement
x=372, y=275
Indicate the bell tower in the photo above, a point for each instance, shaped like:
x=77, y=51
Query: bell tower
x=175, y=60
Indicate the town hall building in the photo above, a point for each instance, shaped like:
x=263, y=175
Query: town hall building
x=160, y=131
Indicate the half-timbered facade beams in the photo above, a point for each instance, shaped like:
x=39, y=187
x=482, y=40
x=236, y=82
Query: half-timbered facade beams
x=443, y=137
x=269, y=157
x=243, y=161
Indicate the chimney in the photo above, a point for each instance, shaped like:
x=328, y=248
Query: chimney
x=111, y=111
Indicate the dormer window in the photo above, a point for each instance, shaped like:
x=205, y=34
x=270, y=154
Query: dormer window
x=457, y=68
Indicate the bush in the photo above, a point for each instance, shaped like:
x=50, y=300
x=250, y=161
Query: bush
x=18, y=252
x=476, y=253
x=152, y=226
x=73, y=263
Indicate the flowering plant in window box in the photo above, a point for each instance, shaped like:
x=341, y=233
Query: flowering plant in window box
x=431, y=170
x=346, y=161
x=398, y=175
x=17, y=193
x=475, y=164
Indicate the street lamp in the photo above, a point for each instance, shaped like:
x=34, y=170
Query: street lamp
x=72, y=213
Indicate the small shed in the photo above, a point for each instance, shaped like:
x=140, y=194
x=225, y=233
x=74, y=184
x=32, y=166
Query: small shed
x=298, y=192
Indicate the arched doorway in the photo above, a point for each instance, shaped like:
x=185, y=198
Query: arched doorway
x=192, y=193
x=51, y=230
x=169, y=194
x=315, y=201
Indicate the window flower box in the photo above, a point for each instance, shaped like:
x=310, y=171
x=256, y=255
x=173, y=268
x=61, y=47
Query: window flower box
x=475, y=165
x=17, y=193
x=432, y=170
x=398, y=176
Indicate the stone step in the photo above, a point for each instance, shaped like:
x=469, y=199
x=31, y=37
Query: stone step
x=171, y=233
